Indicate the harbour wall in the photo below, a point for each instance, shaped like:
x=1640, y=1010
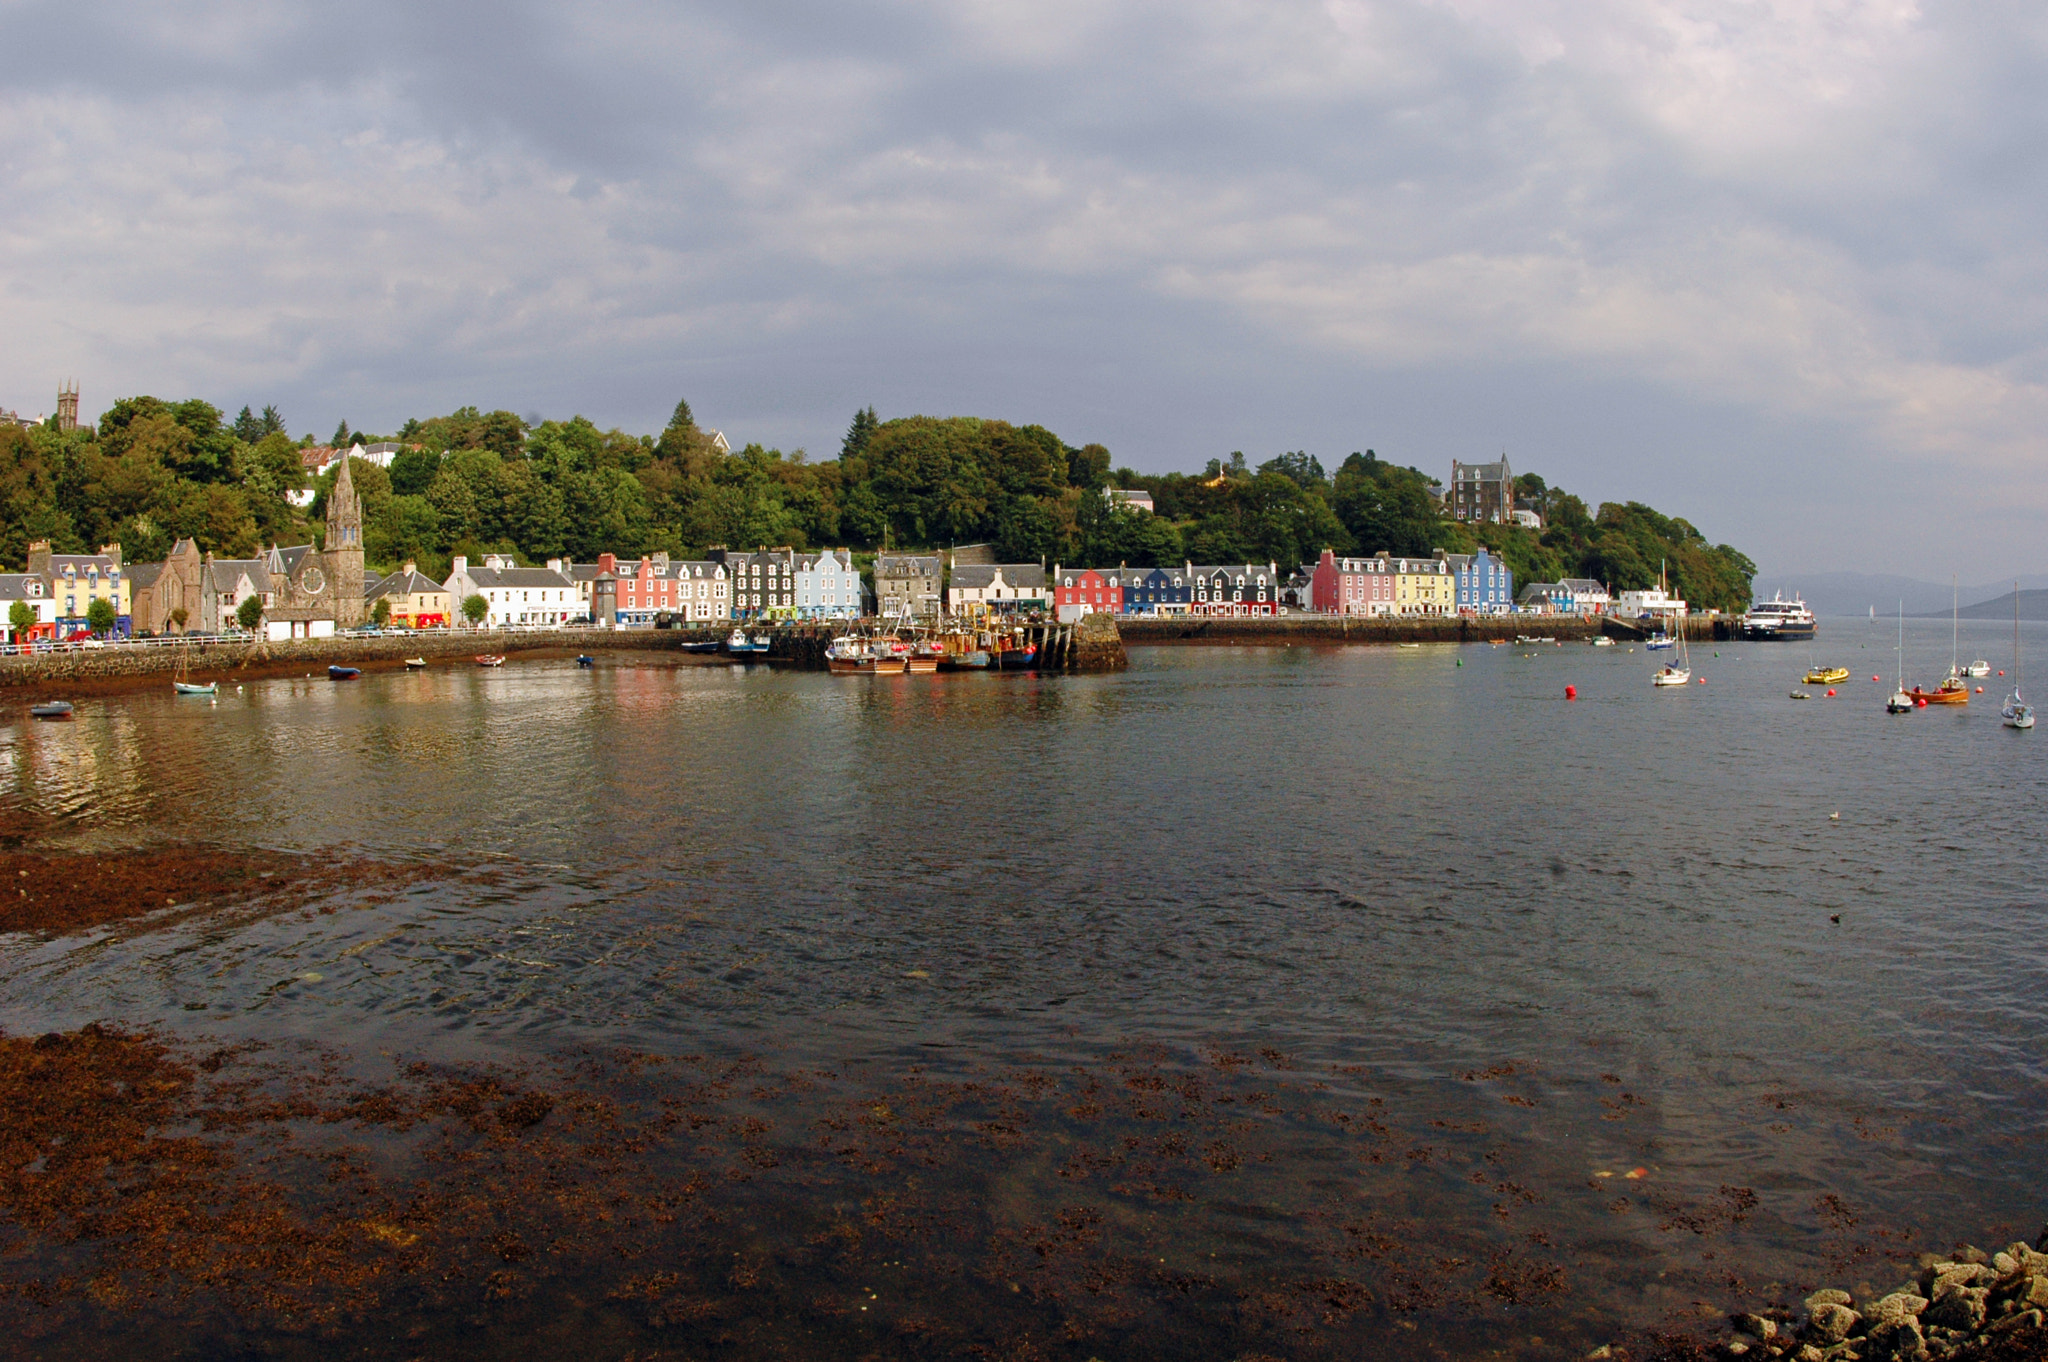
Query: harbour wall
x=1316, y=630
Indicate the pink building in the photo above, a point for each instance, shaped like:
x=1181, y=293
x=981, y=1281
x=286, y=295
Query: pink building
x=1352, y=586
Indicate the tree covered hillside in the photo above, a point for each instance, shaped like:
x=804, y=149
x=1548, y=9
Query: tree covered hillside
x=474, y=482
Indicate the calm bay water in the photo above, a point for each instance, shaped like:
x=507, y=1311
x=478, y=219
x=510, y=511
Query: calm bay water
x=1395, y=866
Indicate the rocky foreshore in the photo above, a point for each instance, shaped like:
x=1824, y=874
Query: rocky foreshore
x=1969, y=1306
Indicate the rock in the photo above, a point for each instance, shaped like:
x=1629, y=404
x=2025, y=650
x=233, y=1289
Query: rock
x=1808, y=1353
x=2036, y=1294
x=1897, y=1306
x=1945, y=1275
x=1967, y=1254
x=1736, y=1347
x=1844, y=1352
x=1757, y=1327
x=1897, y=1337
x=2025, y=1321
x=1826, y=1296
x=1831, y=1321
x=1958, y=1307
x=2004, y=1263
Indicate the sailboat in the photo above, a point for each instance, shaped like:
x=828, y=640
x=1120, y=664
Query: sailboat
x=181, y=679
x=2017, y=712
x=1900, y=702
x=1677, y=674
x=1953, y=690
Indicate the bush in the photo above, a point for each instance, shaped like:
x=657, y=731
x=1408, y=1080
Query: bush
x=249, y=612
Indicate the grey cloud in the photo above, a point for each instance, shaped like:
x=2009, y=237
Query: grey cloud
x=1659, y=250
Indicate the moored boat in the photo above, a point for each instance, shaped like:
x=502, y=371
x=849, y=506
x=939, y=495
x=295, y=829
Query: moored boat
x=585, y=660
x=338, y=672
x=51, y=709
x=1676, y=673
x=1826, y=676
x=1778, y=619
x=1659, y=641
x=415, y=664
x=849, y=655
x=1978, y=668
x=192, y=688
x=2017, y=712
x=1900, y=702
x=490, y=659
x=739, y=645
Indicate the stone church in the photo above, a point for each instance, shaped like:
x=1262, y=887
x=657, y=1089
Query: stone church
x=315, y=592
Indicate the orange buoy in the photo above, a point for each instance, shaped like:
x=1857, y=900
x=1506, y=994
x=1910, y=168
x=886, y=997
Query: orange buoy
x=1571, y=692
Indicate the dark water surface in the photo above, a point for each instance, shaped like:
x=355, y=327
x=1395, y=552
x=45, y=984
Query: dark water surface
x=1545, y=944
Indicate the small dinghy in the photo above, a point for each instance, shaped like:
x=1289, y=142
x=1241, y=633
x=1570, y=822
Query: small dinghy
x=189, y=688
x=343, y=673
x=490, y=659
x=415, y=664
x=51, y=709
x=585, y=660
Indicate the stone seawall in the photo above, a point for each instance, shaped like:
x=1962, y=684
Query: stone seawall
x=1296, y=630
x=121, y=668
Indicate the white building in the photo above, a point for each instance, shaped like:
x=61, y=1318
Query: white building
x=515, y=595
x=1655, y=603
x=29, y=588
x=999, y=586
x=827, y=586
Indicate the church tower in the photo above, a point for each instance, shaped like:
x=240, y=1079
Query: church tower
x=344, y=548
x=67, y=405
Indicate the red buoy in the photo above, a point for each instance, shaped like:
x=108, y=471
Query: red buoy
x=1980, y=690
x=1873, y=678
x=1571, y=692
x=1920, y=702
x=1831, y=692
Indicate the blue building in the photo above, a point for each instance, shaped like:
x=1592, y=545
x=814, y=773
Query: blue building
x=1485, y=585
x=1156, y=591
x=828, y=586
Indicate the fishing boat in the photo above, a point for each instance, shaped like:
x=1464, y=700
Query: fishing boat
x=2017, y=712
x=849, y=655
x=1532, y=638
x=700, y=645
x=490, y=659
x=51, y=709
x=1676, y=673
x=341, y=673
x=1825, y=676
x=739, y=645
x=415, y=664
x=1900, y=702
x=925, y=655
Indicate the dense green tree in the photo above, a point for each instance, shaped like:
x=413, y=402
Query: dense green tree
x=249, y=612
x=413, y=469
x=341, y=435
x=474, y=608
x=100, y=616
x=859, y=433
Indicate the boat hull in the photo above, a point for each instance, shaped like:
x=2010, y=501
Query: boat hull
x=343, y=673
x=1778, y=633
x=850, y=666
x=187, y=688
x=1959, y=696
x=56, y=709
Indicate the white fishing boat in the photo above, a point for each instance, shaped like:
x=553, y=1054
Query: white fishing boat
x=1978, y=668
x=2018, y=713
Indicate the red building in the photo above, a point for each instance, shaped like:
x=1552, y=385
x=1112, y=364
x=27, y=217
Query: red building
x=1085, y=591
x=1352, y=586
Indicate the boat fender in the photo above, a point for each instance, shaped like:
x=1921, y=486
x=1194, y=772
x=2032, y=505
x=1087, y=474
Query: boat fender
x=1571, y=692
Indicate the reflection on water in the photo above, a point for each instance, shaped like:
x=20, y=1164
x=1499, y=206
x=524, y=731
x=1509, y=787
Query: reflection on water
x=1396, y=867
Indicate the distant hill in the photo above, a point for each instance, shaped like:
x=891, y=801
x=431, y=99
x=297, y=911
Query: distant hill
x=2033, y=606
x=1854, y=593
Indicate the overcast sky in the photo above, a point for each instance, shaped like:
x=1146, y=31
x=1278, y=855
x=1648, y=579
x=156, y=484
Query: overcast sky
x=1775, y=265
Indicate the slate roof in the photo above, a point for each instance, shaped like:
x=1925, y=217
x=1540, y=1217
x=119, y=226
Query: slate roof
x=14, y=587
x=517, y=576
x=978, y=576
x=225, y=572
x=401, y=583
x=287, y=561
x=141, y=575
x=906, y=565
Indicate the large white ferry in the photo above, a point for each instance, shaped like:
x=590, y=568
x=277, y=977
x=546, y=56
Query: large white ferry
x=1778, y=618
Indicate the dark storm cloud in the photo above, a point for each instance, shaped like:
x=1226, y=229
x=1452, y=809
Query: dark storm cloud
x=1653, y=249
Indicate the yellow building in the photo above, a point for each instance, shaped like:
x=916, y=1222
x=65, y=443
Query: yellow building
x=75, y=580
x=417, y=601
x=1423, y=586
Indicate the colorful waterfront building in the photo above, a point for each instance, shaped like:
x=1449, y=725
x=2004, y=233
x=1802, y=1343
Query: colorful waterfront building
x=1245, y=589
x=1003, y=587
x=1156, y=591
x=827, y=586
x=1571, y=596
x=75, y=580
x=909, y=584
x=1085, y=591
x=1423, y=586
x=30, y=590
x=1484, y=585
x=1352, y=586
x=763, y=582
x=417, y=601
x=513, y=594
